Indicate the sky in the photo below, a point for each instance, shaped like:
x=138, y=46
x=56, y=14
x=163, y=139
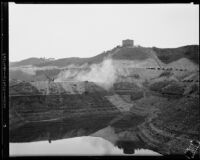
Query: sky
x=85, y=30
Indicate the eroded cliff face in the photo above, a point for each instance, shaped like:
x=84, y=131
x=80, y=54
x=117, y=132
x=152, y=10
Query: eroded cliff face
x=106, y=64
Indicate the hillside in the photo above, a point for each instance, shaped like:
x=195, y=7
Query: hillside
x=34, y=69
x=29, y=61
x=166, y=55
x=145, y=96
x=59, y=62
x=156, y=116
x=131, y=54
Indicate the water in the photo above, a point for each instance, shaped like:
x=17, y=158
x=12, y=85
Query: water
x=85, y=134
x=85, y=145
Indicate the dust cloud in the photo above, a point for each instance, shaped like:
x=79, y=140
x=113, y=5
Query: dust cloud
x=102, y=74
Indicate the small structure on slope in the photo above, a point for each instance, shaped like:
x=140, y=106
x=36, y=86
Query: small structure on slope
x=127, y=43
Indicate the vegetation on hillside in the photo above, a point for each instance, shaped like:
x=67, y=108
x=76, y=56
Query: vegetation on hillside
x=168, y=55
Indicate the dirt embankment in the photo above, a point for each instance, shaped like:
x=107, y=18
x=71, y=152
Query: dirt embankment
x=169, y=123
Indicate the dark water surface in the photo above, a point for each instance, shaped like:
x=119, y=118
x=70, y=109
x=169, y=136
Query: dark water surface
x=78, y=135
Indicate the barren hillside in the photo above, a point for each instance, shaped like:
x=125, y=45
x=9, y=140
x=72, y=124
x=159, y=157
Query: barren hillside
x=146, y=96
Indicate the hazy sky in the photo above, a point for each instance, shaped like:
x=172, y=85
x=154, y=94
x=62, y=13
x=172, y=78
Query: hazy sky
x=60, y=31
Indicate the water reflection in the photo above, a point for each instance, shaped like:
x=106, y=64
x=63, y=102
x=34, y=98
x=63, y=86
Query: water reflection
x=79, y=135
x=76, y=146
x=128, y=147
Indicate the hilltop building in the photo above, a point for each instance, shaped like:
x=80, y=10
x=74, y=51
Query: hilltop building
x=127, y=43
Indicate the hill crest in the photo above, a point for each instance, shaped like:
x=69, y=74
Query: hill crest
x=165, y=55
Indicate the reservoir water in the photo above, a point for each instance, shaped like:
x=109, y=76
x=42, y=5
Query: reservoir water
x=85, y=145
